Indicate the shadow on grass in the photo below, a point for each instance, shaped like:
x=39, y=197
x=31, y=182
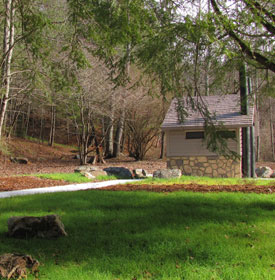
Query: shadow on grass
x=117, y=226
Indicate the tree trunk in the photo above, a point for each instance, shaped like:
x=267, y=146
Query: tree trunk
x=27, y=119
x=83, y=145
x=41, y=134
x=271, y=130
x=110, y=134
x=68, y=131
x=52, y=130
x=7, y=56
x=119, y=133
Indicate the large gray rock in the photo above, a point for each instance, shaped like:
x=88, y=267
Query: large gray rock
x=120, y=172
x=263, y=172
x=140, y=173
x=272, y=175
x=88, y=175
x=86, y=168
x=17, y=266
x=42, y=227
x=167, y=173
x=99, y=172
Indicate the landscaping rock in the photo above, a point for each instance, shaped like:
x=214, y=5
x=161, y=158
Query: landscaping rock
x=120, y=172
x=140, y=173
x=20, y=160
x=167, y=173
x=89, y=175
x=94, y=173
x=264, y=172
x=16, y=266
x=42, y=227
x=272, y=175
x=99, y=173
x=86, y=168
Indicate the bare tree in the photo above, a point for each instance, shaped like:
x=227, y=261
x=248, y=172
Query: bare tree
x=8, y=45
x=144, y=118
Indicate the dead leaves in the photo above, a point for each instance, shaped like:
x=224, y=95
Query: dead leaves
x=17, y=266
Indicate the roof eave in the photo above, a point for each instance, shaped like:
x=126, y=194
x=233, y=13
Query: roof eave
x=165, y=128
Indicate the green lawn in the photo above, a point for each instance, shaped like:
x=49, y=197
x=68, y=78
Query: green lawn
x=73, y=177
x=141, y=235
x=79, y=178
x=207, y=181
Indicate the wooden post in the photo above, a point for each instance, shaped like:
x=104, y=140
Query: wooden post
x=252, y=155
x=271, y=130
x=162, y=145
x=246, y=162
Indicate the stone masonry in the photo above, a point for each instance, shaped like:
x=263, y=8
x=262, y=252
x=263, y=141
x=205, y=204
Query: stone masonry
x=210, y=166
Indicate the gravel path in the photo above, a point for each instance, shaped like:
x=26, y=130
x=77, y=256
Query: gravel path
x=66, y=188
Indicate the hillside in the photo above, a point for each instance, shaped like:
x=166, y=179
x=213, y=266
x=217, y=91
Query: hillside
x=45, y=159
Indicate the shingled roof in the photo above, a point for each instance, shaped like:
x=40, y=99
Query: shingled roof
x=226, y=108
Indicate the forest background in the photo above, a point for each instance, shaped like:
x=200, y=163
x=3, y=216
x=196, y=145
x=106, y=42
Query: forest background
x=102, y=73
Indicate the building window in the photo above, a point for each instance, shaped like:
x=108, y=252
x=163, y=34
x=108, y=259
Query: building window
x=195, y=135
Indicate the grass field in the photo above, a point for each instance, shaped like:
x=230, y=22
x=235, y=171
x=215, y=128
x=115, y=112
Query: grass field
x=73, y=177
x=79, y=178
x=208, y=181
x=141, y=235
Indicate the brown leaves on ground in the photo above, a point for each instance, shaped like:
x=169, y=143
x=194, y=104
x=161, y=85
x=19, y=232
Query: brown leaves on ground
x=16, y=266
x=45, y=159
x=26, y=182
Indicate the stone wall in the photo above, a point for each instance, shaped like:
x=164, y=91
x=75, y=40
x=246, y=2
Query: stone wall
x=211, y=166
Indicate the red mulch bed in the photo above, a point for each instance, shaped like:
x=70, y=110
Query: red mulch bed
x=28, y=182
x=193, y=188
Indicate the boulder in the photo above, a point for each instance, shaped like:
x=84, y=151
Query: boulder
x=167, y=173
x=99, y=172
x=263, y=172
x=88, y=175
x=120, y=172
x=16, y=266
x=272, y=175
x=20, y=160
x=86, y=168
x=140, y=173
x=49, y=226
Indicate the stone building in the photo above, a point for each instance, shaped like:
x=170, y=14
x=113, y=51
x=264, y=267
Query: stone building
x=185, y=148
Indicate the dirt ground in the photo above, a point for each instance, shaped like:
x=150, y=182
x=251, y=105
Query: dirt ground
x=45, y=159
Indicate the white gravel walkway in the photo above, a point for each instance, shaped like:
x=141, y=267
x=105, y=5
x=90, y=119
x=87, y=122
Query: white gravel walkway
x=66, y=188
